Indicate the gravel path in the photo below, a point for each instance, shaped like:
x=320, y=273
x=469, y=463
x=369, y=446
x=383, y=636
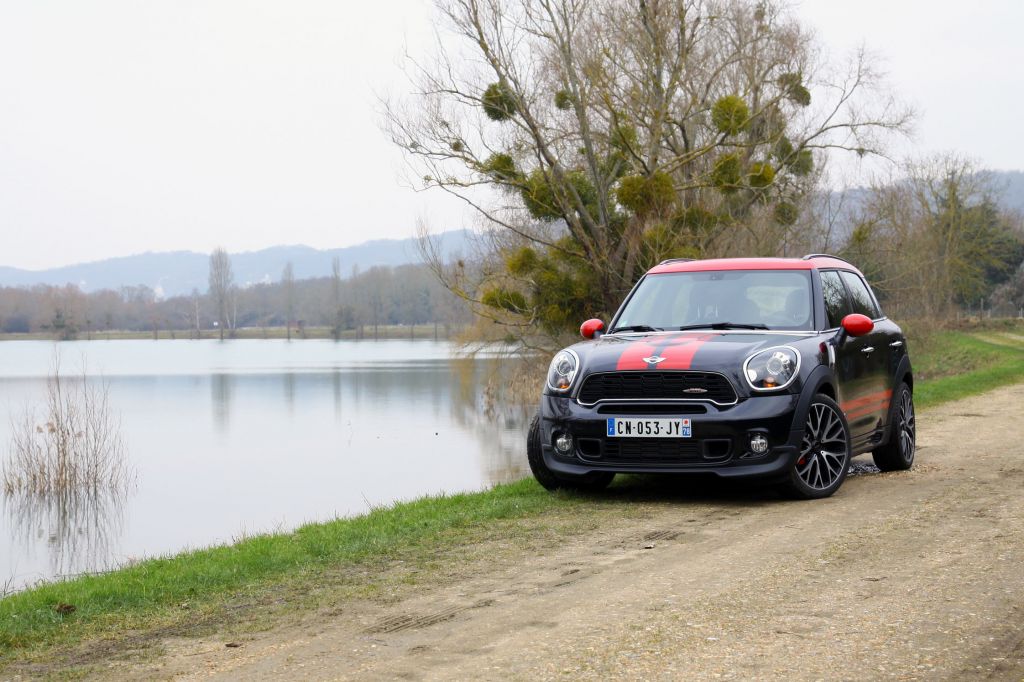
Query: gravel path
x=911, y=575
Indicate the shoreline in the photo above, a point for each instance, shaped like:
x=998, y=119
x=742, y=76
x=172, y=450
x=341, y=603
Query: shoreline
x=419, y=332
x=362, y=551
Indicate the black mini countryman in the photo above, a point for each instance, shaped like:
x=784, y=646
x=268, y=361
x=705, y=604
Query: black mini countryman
x=775, y=368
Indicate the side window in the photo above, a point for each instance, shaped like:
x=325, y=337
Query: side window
x=863, y=301
x=836, y=305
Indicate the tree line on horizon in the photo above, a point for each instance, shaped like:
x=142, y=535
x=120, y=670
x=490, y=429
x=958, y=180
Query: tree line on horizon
x=378, y=296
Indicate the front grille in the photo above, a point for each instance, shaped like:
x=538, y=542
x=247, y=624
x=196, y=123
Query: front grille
x=648, y=409
x=654, y=451
x=656, y=386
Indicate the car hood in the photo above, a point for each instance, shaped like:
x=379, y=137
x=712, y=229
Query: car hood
x=714, y=351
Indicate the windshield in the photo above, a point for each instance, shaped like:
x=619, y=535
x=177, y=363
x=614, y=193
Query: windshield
x=759, y=299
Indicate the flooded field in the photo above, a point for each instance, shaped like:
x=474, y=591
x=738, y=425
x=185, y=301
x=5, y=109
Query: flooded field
x=243, y=437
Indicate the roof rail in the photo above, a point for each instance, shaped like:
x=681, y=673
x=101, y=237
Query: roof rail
x=676, y=260
x=824, y=255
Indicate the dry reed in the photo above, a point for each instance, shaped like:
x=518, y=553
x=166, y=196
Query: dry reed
x=76, y=445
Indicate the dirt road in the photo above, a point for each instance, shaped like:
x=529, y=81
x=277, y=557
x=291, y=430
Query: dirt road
x=915, y=575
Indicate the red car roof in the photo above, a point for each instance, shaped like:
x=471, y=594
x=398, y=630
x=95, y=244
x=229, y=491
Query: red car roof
x=751, y=264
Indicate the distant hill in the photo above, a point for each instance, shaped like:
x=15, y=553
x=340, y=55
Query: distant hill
x=1011, y=184
x=178, y=272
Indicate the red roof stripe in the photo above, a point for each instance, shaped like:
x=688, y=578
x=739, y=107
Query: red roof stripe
x=750, y=264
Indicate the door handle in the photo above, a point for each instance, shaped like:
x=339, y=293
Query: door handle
x=867, y=349
x=896, y=344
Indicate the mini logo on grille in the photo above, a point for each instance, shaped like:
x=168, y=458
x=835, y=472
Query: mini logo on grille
x=695, y=390
x=654, y=359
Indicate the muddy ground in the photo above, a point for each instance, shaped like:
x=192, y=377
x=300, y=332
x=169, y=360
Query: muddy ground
x=911, y=575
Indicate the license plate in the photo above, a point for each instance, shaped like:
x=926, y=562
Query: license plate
x=641, y=427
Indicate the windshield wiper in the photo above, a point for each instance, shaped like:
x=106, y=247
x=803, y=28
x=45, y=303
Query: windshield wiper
x=636, y=328
x=722, y=325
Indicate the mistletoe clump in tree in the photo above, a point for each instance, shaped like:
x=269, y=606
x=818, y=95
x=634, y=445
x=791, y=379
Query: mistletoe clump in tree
x=613, y=134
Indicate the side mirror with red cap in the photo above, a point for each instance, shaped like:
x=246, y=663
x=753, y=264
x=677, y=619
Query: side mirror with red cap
x=854, y=324
x=592, y=328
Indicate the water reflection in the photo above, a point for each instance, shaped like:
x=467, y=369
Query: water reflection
x=289, y=392
x=493, y=398
x=78, y=530
x=220, y=401
x=259, y=436
x=336, y=386
x=479, y=395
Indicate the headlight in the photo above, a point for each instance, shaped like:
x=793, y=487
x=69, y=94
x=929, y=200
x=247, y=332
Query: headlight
x=563, y=370
x=772, y=369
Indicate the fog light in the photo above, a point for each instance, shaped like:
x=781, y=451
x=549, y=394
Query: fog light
x=758, y=444
x=563, y=443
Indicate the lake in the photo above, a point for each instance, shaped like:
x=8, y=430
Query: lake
x=229, y=439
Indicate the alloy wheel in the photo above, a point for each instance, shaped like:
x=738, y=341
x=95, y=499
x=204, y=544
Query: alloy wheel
x=907, y=427
x=824, y=451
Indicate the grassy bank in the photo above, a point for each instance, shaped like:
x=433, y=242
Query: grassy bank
x=202, y=582
x=954, y=364
x=178, y=595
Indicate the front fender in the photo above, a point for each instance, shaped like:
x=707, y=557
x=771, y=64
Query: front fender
x=904, y=373
x=822, y=375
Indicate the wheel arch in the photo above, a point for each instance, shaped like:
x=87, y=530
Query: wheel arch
x=828, y=389
x=821, y=380
x=904, y=374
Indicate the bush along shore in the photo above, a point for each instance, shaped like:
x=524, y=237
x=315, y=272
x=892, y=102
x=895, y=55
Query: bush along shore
x=178, y=593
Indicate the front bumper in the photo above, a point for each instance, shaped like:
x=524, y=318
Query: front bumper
x=719, y=445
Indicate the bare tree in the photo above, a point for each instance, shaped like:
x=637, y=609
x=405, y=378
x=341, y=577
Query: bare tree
x=336, y=296
x=222, y=281
x=288, y=282
x=612, y=134
x=195, y=312
x=935, y=237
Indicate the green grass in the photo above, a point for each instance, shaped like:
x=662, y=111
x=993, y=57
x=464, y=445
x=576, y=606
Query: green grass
x=107, y=603
x=353, y=556
x=950, y=365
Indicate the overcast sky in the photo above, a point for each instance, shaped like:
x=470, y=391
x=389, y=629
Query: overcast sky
x=137, y=126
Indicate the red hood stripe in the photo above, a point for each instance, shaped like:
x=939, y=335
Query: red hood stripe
x=633, y=356
x=678, y=352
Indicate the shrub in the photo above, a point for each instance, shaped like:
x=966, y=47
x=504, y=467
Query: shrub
x=643, y=194
x=75, y=446
x=730, y=114
x=498, y=102
x=726, y=173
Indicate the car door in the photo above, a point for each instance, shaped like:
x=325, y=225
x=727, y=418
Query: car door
x=852, y=365
x=871, y=412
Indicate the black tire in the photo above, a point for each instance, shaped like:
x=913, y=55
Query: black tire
x=589, y=482
x=825, y=452
x=897, y=453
